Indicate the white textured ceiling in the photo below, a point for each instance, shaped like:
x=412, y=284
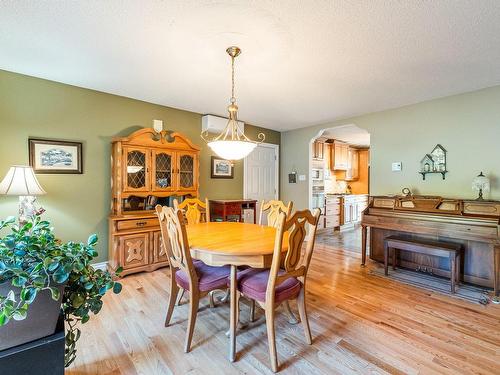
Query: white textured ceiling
x=350, y=134
x=303, y=62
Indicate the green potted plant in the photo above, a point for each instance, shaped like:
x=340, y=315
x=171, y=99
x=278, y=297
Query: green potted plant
x=40, y=277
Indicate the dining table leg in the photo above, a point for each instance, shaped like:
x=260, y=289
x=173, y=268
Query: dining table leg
x=233, y=315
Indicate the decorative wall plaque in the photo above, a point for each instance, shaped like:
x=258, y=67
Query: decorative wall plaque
x=435, y=162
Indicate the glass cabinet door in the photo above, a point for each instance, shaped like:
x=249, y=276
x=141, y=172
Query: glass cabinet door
x=163, y=170
x=136, y=162
x=187, y=170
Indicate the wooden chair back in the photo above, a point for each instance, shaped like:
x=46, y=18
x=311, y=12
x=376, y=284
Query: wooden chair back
x=274, y=207
x=293, y=263
x=175, y=242
x=195, y=211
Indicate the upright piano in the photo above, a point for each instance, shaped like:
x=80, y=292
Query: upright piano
x=473, y=224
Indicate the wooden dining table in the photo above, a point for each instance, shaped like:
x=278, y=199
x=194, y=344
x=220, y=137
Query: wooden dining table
x=234, y=244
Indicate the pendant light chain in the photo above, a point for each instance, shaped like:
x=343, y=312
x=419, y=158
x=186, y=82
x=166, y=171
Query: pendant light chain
x=233, y=99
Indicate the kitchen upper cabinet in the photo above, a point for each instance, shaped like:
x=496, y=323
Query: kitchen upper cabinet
x=340, y=156
x=318, y=150
x=352, y=172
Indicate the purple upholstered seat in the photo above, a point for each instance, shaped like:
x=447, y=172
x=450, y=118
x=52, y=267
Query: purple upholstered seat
x=253, y=284
x=209, y=278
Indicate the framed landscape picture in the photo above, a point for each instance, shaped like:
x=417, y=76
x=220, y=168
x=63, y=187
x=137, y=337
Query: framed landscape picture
x=52, y=156
x=221, y=168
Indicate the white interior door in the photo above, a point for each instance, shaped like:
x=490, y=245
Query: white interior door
x=261, y=174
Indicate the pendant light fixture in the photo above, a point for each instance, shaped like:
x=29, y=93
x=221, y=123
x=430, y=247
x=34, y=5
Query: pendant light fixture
x=232, y=143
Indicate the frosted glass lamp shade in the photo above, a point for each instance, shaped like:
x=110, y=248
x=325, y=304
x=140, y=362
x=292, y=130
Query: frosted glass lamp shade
x=232, y=150
x=21, y=180
x=481, y=182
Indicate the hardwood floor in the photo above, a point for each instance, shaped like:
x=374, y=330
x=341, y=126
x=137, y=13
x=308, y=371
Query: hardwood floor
x=360, y=324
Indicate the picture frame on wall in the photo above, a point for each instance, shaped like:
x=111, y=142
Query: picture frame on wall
x=221, y=168
x=55, y=156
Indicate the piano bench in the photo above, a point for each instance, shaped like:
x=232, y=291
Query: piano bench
x=436, y=248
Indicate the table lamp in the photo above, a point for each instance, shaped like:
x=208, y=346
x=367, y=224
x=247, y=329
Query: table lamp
x=21, y=181
x=481, y=183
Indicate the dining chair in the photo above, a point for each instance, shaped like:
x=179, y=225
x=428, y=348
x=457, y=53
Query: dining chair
x=195, y=277
x=194, y=210
x=286, y=279
x=274, y=208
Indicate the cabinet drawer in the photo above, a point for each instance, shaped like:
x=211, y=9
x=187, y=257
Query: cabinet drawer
x=233, y=209
x=332, y=221
x=362, y=200
x=334, y=200
x=356, y=199
x=332, y=210
x=137, y=224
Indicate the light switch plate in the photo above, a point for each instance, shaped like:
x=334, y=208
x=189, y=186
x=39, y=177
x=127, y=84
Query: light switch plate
x=397, y=166
x=302, y=177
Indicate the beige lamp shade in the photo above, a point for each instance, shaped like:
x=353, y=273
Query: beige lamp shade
x=20, y=180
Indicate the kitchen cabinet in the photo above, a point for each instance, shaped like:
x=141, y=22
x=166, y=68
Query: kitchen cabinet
x=330, y=213
x=352, y=172
x=318, y=150
x=352, y=209
x=340, y=156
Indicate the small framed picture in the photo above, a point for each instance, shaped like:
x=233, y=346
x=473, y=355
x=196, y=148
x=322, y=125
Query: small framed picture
x=52, y=156
x=221, y=168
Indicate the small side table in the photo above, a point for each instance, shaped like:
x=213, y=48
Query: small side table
x=231, y=209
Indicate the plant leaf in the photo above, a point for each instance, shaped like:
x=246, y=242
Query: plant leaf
x=3, y=319
x=92, y=241
x=19, y=315
x=117, y=288
x=77, y=300
x=60, y=276
x=56, y=294
x=28, y=295
x=53, y=266
x=19, y=281
x=11, y=296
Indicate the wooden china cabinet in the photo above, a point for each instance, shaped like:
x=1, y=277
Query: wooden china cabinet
x=147, y=168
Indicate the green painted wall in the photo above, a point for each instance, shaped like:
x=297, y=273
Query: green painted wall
x=467, y=125
x=79, y=204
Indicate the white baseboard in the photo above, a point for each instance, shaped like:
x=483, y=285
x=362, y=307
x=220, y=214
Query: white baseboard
x=100, y=266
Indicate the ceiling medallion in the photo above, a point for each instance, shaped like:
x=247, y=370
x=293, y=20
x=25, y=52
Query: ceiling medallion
x=232, y=143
